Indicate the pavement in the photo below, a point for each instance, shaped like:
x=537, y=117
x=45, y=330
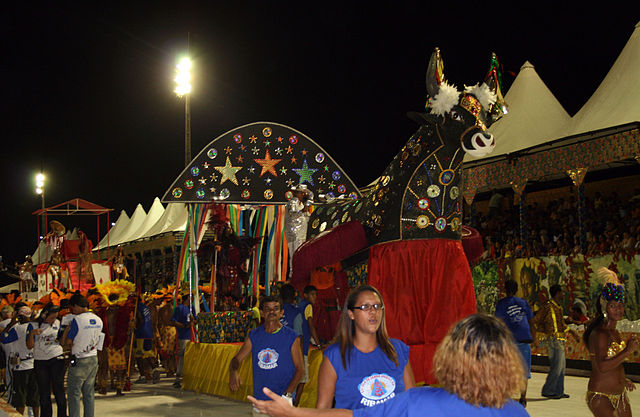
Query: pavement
x=162, y=399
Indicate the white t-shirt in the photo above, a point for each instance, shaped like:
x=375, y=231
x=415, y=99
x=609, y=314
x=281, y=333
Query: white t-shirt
x=86, y=332
x=15, y=342
x=46, y=345
x=4, y=323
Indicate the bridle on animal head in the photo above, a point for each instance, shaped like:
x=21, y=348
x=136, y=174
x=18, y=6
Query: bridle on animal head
x=473, y=106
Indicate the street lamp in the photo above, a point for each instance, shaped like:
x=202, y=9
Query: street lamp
x=183, y=88
x=40, y=190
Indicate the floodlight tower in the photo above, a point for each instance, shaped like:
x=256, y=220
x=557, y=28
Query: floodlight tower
x=183, y=89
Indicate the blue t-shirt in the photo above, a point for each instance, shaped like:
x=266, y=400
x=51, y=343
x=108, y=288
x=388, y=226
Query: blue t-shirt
x=181, y=315
x=271, y=360
x=306, y=333
x=436, y=402
x=145, y=331
x=515, y=312
x=292, y=318
x=371, y=378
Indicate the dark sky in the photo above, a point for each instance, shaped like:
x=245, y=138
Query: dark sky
x=88, y=91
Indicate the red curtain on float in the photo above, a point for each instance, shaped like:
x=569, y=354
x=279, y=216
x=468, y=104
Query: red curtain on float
x=427, y=287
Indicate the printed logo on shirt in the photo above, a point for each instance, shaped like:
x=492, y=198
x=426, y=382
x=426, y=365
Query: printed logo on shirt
x=515, y=313
x=376, y=389
x=92, y=321
x=267, y=358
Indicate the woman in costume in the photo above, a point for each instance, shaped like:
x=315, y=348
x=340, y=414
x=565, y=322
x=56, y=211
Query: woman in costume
x=363, y=367
x=48, y=359
x=608, y=385
x=477, y=364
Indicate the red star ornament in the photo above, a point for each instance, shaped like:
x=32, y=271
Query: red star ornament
x=268, y=164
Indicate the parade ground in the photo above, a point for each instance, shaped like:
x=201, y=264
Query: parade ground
x=164, y=400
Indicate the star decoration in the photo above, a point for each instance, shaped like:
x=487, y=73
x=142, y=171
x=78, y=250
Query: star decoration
x=228, y=172
x=267, y=181
x=268, y=164
x=304, y=152
x=212, y=189
x=240, y=159
x=255, y=150
x=321, y=179
x=283, y=170
x=290, y=183
x=289, y=149
x=203, y=181
x=293, y=160
x=326, y=168
x=242, y=148
x=252, y=139
x=280, y=138
x=279, y=151
x=419, y=183
x=228, y=150
x=267, y=142
x=332, y=185
x=246, y=181
x=252, y=169
x=214, y=177
x=305, y=173
x=206, y=165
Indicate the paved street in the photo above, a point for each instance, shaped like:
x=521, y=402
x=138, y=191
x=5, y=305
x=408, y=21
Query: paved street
x=163, y=400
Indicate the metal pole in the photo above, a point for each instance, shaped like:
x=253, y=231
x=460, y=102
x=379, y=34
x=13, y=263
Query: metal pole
x=187, y=131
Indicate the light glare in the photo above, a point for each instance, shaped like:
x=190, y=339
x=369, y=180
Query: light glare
x=183, y=77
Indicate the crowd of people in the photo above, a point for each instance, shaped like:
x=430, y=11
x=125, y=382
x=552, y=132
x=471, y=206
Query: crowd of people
x=96, y=340
x=611, y=225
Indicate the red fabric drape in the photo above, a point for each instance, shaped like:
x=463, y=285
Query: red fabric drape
x=340, y=243
x=427, y=287
x=325, y=312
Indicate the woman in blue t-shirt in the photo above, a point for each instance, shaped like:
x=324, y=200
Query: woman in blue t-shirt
x=363, y=367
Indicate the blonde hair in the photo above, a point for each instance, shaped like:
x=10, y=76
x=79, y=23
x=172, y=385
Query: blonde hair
x=479, y=362
x=347, y=330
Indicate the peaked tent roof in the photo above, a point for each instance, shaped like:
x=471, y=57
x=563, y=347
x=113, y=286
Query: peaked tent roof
x=114, y=232
x=529, y=102
x=173, y=219
x=615, y=102
x=137, y=218
x=155, y=212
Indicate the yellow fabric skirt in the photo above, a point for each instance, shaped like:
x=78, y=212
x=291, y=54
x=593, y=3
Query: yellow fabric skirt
x=206, y=369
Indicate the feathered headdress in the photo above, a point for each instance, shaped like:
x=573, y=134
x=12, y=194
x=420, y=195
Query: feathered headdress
x=612, y=288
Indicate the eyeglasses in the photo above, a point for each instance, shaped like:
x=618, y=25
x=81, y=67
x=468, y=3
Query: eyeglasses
x=368, y=307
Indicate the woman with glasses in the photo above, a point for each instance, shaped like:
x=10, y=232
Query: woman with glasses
x=363, y=367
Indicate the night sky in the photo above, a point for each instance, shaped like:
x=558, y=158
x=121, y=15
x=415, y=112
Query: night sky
x=88, y=91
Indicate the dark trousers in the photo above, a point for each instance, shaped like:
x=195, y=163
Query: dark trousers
x=50, y=375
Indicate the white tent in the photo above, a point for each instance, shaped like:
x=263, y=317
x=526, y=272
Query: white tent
x=615, y=102
x=114, y=232
x=155, y=212
x=174, y=219
x=535, y=116
x=137, y=218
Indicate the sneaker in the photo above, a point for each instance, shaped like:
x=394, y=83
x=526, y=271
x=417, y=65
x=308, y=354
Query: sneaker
x=177, y=384
x=156, y=376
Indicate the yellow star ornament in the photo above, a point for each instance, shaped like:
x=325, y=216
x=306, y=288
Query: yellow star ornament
x=268, y=164
x=228, y=172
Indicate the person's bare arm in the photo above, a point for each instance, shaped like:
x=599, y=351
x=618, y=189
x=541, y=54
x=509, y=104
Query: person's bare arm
x=327, y=378
x=408, y=378
x=600, y=341
x=234, y=377
x=280, y=407
x=298, y=362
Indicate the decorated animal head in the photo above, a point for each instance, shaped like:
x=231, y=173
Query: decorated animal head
x=418, y=196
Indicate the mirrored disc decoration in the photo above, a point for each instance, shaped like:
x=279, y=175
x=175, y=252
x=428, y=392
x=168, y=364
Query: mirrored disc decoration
x=260, y=163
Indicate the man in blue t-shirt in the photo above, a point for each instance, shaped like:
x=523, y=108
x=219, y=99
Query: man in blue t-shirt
x=517, y=315
x=276, y=355
x=181, y=320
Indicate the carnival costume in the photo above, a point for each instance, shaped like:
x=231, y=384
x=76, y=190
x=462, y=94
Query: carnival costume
x=612, y=290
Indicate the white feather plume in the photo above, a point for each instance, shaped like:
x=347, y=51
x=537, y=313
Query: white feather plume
x=607, y=275
x=444, y=100
x=482, y=93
